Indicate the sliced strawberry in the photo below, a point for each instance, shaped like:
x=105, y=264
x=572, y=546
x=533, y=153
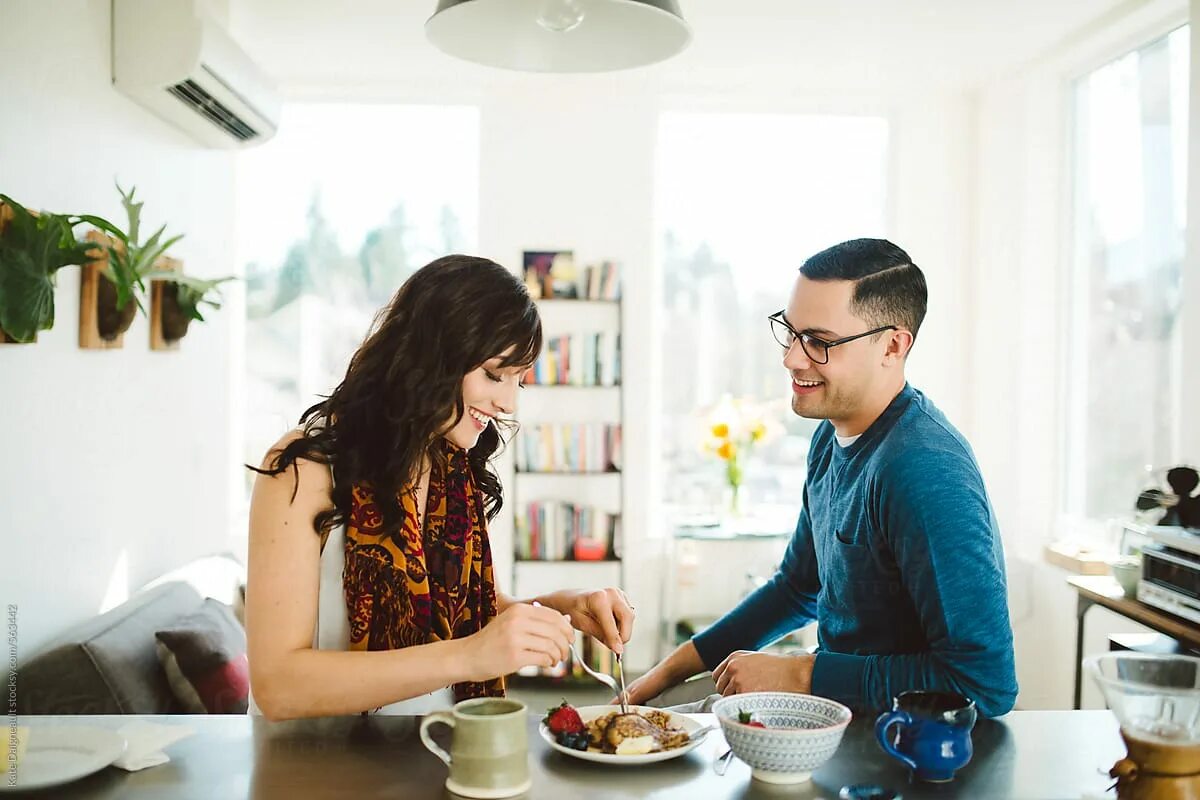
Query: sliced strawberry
x=564, y=719
x=747, y=718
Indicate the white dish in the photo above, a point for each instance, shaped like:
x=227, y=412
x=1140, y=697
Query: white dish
x=802, y=732
x=58, y=754
x=589, y=713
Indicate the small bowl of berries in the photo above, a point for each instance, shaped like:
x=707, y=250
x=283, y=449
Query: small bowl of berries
x=782, y=736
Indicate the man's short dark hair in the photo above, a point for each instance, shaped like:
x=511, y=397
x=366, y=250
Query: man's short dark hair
x=889, y=289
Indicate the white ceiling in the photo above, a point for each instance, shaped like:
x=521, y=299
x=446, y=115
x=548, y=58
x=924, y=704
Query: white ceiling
x=826, y=45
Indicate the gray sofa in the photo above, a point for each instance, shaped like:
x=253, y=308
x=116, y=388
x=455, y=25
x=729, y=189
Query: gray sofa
x=108, y=665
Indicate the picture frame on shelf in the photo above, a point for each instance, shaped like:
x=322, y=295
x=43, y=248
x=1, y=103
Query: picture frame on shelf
x=550, y=273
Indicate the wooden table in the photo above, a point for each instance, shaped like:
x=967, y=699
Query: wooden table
x=1103, y=590
x=1027, y=754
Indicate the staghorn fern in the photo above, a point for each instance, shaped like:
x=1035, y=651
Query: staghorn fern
x=129, y=265
x=191, y=292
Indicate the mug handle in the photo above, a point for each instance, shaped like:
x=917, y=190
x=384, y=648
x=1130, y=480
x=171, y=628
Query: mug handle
x=444, y=718
x=885, y=721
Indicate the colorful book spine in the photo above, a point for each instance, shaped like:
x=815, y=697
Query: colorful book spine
x=585, y=359
x=570, y=448
x=557, y=531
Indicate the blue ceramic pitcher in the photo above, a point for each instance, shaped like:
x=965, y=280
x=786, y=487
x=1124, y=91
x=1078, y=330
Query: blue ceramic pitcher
x=934, y=733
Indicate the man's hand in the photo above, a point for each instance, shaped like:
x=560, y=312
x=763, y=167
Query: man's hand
x=747, y=671
x=602, y=613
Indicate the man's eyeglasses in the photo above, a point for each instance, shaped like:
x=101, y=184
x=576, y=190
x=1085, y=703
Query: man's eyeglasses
x=816, y=348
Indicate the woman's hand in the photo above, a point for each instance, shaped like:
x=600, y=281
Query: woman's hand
x=603, y=613
x=523, y=635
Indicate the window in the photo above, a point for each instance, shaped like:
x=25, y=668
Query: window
x=333, y=215
x=1130, y=145
x=742, y=201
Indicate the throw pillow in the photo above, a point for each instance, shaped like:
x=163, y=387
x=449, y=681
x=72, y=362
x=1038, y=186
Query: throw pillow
x=204, y=656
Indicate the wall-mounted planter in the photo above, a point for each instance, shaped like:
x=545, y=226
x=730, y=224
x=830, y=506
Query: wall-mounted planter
x=5, y=216
x=101, y=324
x=168, y=322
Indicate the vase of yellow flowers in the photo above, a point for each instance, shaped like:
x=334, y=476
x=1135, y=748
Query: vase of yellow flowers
x=732, y=441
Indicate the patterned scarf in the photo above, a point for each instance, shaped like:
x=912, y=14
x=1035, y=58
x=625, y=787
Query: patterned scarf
x=416, y=587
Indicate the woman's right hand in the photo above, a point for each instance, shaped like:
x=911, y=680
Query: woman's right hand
x=523, y=635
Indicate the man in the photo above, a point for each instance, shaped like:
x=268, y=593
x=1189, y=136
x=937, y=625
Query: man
x=896, y=553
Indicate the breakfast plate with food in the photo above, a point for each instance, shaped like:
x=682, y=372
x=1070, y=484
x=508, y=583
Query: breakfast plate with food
x=604, y=735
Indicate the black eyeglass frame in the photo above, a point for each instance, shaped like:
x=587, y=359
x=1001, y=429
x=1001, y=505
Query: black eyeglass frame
x=796, y=335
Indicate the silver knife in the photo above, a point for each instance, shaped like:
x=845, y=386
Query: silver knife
x=624, y=695
x=722, y=763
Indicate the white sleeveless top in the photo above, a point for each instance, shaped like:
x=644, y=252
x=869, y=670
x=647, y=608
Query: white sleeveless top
x=333, y=628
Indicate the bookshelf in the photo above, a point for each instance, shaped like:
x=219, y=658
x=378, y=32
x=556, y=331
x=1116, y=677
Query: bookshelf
x=568, y=484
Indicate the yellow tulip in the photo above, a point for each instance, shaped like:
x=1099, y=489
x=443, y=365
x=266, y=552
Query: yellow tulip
x=726, y=450
x=720, y=430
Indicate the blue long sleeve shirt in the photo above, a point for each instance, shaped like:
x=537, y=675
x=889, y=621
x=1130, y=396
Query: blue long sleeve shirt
x=898, y=558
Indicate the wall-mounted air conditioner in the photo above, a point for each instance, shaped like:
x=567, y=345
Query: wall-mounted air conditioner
x=172, y=58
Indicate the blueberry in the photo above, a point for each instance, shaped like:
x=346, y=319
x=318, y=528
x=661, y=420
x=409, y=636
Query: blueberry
x=573, y=740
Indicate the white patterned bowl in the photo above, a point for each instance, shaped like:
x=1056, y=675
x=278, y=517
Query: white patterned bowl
x=802, y=732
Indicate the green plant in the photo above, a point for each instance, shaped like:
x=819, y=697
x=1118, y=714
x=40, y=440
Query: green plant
x=132, y=263
x=182, y=296
x=33, y=248
x=191, y=292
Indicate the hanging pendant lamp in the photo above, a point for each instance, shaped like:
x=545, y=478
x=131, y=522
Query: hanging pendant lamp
x=559, y=35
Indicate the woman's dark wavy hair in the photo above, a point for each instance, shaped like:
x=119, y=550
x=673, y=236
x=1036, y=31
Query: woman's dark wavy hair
x=405, y=380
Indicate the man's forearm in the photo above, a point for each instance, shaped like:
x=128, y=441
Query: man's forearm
x=772, y=610
x=682, y=664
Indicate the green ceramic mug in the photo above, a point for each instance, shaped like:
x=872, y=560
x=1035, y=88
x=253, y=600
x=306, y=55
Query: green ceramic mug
x=489, y=751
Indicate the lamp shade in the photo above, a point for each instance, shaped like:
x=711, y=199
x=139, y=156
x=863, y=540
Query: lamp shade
x=559, y=35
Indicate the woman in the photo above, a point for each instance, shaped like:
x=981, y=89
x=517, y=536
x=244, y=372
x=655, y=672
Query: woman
x=370, y=573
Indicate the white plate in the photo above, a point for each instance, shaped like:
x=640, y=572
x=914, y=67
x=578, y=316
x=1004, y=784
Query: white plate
x=58, y=754
x=589, y=713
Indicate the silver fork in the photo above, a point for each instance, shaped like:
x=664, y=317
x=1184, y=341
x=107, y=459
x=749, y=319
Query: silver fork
x=624, y=695
x=607, y=680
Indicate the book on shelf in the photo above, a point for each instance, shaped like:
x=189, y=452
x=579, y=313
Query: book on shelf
x=569, y=448
x=602, y=281
x=583, y=359
x=553, y=274
x=557, y=531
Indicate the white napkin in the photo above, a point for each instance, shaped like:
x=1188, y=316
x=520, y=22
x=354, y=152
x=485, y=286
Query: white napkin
x=146, y=742
x=703, y=706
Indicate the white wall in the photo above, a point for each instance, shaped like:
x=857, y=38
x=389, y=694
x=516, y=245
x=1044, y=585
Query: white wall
x=933, y=195
x=1190, y=432
x=1016, y=328
x=117, y=464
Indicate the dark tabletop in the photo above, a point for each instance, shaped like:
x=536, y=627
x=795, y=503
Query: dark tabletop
x=1028, y=754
